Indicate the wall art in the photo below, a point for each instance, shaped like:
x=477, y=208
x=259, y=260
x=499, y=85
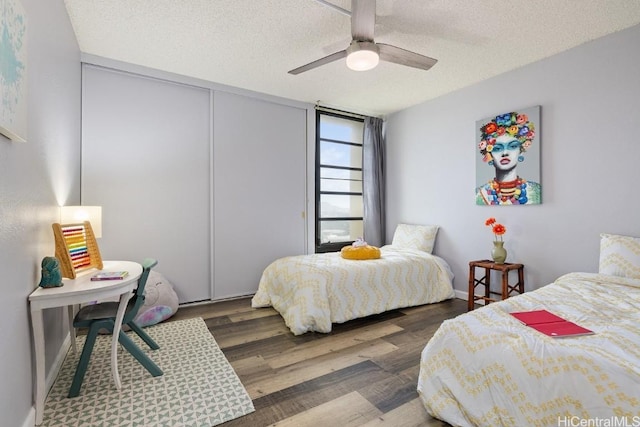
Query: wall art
x=508, y=158
x=13, y=70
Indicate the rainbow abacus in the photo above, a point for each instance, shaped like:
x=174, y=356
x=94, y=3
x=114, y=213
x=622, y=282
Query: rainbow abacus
x=76, y=248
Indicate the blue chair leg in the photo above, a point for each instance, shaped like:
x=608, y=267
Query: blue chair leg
x=135, y=351
x=142, y=334
x=83, y=363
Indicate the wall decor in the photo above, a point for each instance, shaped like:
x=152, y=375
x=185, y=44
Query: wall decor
x=508, y=158
x=13, y=70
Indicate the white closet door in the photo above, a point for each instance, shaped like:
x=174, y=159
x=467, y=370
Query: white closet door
x=259, y=187
x=146, y=161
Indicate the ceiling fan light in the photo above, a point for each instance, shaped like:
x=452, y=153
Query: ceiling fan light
x=363, y=60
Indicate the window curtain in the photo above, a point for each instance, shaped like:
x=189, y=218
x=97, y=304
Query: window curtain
x=373, y=153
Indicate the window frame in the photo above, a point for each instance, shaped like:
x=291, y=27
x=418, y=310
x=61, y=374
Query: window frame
x=333, y=246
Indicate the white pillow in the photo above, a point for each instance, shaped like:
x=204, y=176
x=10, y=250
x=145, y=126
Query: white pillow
x=421, y=237
x=619, y=256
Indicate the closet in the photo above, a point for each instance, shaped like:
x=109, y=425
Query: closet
x=209, y=182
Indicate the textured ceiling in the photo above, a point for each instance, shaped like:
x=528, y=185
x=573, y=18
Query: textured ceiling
x=251, y=44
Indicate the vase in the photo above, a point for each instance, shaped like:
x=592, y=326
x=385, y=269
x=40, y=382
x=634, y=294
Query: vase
x=498, y=253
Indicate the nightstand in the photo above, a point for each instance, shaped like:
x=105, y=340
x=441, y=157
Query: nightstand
x=507, y=288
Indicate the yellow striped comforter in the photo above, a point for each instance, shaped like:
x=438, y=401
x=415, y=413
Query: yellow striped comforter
x=485, y=368
x=313, y=291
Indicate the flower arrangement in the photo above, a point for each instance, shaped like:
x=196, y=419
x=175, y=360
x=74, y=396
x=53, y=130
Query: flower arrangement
x=498, y=229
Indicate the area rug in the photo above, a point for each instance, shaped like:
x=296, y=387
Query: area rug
x=199, y=386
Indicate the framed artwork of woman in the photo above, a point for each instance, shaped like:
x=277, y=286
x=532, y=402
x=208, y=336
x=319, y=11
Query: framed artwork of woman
x=508, y=161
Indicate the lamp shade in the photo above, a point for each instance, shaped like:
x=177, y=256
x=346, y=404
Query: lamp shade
x=78, y=214
x=362, y=56
x=363, y=60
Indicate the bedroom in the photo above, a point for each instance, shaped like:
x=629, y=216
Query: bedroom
x=589, y=97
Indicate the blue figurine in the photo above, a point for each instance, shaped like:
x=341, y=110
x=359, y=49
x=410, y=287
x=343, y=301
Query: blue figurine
x=51, y=276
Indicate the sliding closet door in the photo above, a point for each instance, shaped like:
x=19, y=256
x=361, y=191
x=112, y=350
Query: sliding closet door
x=259, y=188
x=146, y=161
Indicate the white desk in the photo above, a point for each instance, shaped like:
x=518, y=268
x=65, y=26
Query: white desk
x=73, y=292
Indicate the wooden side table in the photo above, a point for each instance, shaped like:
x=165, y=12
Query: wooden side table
x=507, y=289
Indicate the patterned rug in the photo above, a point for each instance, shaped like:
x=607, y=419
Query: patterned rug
x=199, y=386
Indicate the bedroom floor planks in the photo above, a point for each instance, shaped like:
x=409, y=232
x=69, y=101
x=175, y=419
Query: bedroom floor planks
x=364, y=373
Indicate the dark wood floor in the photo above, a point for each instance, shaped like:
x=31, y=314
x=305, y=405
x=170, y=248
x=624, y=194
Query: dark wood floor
x=364, y=373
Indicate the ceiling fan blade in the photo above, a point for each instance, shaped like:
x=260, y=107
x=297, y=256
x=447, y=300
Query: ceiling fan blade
x=319, y=62
x=363, y=20
x=404, y=57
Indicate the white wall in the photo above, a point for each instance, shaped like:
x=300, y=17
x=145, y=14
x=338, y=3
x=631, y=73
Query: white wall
x=36, y=177
x=590, y=147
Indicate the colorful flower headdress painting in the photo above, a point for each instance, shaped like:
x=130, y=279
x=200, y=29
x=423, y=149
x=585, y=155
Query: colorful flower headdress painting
x=514, y=124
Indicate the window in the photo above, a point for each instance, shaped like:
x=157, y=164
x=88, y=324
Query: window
x=339, y=204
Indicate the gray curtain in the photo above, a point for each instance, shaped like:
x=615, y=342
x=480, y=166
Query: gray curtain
x=373, y=153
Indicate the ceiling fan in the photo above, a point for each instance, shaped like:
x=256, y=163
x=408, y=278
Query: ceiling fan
x=363, y=53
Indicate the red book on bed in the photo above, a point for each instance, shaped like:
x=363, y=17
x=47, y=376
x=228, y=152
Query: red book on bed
x=550, y=324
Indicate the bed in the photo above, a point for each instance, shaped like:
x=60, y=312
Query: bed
x=486, y=368
x=311, y=292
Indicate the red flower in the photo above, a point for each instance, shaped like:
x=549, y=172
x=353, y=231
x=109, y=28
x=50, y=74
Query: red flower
x=490, y=128
x=499, y=229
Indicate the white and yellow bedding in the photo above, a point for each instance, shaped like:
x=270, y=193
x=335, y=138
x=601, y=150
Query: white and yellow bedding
x=485, y=368
x=313, y=291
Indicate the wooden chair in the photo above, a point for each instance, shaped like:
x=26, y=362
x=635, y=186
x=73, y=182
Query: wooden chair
x=102, y=316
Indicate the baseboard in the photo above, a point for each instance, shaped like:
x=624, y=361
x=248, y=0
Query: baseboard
x=462, y=295
x=465, y=296
x=30, y=421
x=457, y=294
x=209, y=301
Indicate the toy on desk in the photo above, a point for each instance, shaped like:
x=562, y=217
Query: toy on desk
x=51, y=276
x=76, y=248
